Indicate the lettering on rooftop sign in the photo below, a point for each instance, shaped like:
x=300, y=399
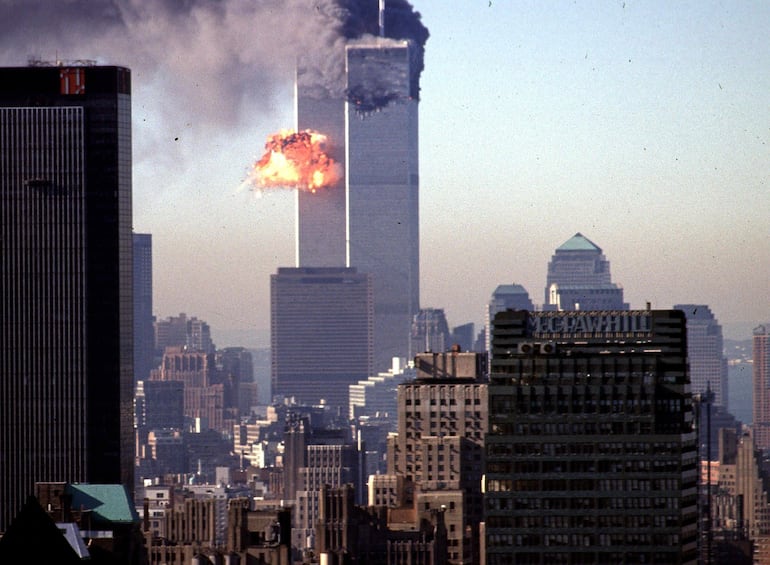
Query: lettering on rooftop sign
x=577, y=324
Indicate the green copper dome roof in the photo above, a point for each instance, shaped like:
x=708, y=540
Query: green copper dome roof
x=579, y=242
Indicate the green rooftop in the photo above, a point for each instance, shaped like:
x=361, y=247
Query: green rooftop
x=579, y=242
x=109, y=503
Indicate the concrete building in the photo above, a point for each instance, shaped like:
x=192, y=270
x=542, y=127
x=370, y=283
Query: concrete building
x=705, y=350
x=321, y=331
x=439, y=448
x=591, y=453
x=66, y=299
x=579, y=278
x=207, y=396
x=375, y=396
x=761, y=397
x=741, y=501
x=181, y=331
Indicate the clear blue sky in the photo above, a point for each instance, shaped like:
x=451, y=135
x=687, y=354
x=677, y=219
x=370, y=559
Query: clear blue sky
x=643, y=125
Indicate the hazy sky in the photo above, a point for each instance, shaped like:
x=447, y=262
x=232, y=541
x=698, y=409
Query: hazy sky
x=643, y=125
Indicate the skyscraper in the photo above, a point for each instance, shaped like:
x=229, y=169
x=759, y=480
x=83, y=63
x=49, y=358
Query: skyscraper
x=708, y=364
x=144, y=334
x=383, y=187
x=761, y=397
x=66, y=304
x=321, y=333
x=579, y=278
x=370, y=219
x=591, y=450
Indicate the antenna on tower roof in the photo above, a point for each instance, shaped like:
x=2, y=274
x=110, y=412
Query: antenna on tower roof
x=381, y=18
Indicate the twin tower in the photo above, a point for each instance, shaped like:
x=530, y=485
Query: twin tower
x=345, y=310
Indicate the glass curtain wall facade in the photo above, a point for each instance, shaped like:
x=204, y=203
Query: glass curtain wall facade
x=66, y=304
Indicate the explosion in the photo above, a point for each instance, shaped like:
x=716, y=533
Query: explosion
x=295, y=160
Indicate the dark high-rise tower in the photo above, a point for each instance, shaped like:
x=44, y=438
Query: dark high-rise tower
x=144, y=332
x=591, y=450
x=66, y=304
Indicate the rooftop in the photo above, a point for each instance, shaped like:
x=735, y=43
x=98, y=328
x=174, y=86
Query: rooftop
x=579, y=242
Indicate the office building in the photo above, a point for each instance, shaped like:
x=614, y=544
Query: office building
x=506, y=296
x=144, y=333
x=708, y=364
x=439, y=448
x=369, y=219
x=591, y=452
x=66, y=302
x=321, y=333
x=761, y=397
x=430, y=331
x=183, y=331
x=579, y=278
x=383, y=187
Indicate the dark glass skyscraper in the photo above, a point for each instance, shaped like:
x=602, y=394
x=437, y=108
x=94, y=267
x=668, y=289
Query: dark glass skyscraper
x=591, y=450
x=144, y=332
x=66, y=304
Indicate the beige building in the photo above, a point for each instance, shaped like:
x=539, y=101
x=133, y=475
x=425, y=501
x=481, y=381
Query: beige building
x=439, y=449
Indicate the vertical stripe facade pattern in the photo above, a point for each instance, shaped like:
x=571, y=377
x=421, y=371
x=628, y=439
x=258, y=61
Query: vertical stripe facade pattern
x=42, y=298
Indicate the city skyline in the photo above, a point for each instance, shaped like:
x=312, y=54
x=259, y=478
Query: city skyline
x=641, y=126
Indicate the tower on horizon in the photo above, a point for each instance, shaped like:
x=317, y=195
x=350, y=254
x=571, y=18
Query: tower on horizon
x=708, y=365
x=579, y=278
x=66, y=304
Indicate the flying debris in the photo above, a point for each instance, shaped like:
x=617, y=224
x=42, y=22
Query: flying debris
x=295, y=160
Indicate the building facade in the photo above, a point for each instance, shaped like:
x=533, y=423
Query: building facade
x=144, y=333
x=591, y=452
x=761, y=397
x=369, y=219
x=438, y=451
x=321, y=333
x=579, y=278
x=66, y=301
x=505, y=296
x=705, y=350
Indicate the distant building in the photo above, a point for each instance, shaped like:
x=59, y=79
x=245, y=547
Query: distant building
x=761, y=397
x=321, y=333
x=705, y=350
x=376, y=396
x=506, y=296
x=591, y=452
x=439, y=448
x=66, y=299
x=464, y=336
x=430, y=331
x=579, y=278
x=208, y=396
x=144, y=333
x=181, y=331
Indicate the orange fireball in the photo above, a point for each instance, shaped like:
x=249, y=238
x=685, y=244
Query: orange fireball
x=296, y=160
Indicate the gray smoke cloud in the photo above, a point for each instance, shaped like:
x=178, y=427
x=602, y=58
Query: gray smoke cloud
x=209, y=56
